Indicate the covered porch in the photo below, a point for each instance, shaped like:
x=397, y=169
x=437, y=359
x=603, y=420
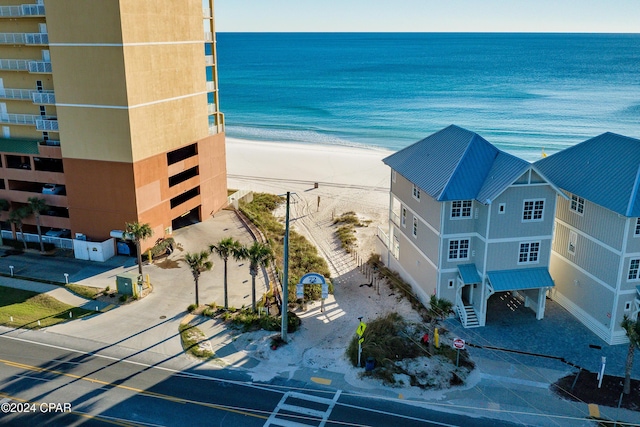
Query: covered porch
x=529, y=286
x=468, y=295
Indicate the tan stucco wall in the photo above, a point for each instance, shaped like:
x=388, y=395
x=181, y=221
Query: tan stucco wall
x=82, y=21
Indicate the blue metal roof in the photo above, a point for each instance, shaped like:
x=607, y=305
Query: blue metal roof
x=469, y=274
x=457, y=164
x=604, y=170
x=521, y=279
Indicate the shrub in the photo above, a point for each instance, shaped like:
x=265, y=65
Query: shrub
x=123, y=298
x=191, y=308
x=160, y=248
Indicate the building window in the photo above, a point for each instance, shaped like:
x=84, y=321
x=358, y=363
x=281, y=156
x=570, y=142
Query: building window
x=529, y=253
x=403, y=219
x=533, y=210
x=458, y=249
x=451, y=283
x=416, y=192
x=461, y=209
x=415, y=227
x=573, y=238
x=502, y=208
x=634, y=266
x=627, y=306
x=637, y=232
x=393, y=176
x=577, y=204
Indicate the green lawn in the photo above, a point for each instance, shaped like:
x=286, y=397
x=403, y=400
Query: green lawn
x=28, y=307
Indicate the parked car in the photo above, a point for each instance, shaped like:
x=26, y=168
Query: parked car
x=62, y=233
x=52, y=189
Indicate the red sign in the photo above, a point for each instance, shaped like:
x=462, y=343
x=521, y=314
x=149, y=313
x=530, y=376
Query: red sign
x=458, y=343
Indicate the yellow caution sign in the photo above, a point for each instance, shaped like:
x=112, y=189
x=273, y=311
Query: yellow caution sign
x=361, y=327
x=360, y=340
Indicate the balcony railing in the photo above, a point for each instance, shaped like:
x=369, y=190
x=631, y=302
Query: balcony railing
x=28, y=120
x=208, y=60
x=14, y=64
x=212, y=108
x=24, y=94
x=44, y=98
x=206, y=12
x=211, y=86
x=24, y=38
x=22, y=10
x=47, y=124
x=39, y=67
x=208, y=36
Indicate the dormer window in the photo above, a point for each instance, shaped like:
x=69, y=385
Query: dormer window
x=416, y=192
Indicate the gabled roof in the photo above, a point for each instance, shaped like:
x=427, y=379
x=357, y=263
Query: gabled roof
x=457, y=164
x=604, y=170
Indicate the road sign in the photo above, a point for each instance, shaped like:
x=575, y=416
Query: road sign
x=361, y=327
x=458, y=343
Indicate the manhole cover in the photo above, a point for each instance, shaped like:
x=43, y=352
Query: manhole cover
x=163, y=317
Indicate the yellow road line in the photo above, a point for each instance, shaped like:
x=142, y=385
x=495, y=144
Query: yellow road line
x=133, y=389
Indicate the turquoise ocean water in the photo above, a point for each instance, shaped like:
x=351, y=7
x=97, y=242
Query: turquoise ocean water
x=521, y=92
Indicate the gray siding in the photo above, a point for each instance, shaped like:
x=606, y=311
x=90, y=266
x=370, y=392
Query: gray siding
x=589, y=255
x=510, y=223
x=633, y=242
x=504, y=255
x=427, y=208
x=590, y=296
x=601, y=223
x=626, y=284
x=476, y=248
x=422, y=273
x=459, y=225
x=426, y=240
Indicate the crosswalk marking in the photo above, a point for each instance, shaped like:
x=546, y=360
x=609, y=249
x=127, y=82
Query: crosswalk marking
x=317, y=415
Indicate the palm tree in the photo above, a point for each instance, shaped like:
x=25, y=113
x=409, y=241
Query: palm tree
x=632, y=328
x=139, y=233
x=16, y=217
x=259, y=255
x=198, y=263
x=4, y=206
x=225, y=248
x=36, y=206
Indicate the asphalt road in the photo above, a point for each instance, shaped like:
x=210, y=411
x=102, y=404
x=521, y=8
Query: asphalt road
x=45, y=384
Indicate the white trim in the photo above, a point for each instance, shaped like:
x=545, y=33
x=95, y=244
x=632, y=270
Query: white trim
x=458, y=258
x=461, y=209
x=616, y=296
x=124, y=107
x=502, y=208
x=128, y=44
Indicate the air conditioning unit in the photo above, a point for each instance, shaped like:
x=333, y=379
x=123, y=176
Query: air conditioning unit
x=80, y=236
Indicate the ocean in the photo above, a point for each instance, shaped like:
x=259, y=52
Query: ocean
x=525, y=93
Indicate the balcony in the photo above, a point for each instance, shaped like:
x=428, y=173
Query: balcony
x=208, y=60
x=19, y=94
x=206, y=13
x=47, y=124
x=22, y=10
x=211, y=86
x=43, y=98
x=212, y=108
x=24, y=38
x=39, y=67
x=208, y=36
x=25, y=65
x=30, y=120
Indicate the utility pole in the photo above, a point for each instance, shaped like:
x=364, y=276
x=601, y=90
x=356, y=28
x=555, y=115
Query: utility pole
x=285, y=277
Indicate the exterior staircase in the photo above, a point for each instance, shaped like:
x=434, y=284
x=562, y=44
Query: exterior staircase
x=468, y=316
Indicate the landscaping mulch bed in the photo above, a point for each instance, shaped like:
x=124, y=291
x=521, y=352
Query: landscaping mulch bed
x=586, y=390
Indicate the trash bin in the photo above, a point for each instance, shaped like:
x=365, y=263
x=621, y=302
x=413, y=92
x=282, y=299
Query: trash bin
x=370, y=364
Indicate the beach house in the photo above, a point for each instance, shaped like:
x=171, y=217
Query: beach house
x=595, y=258
x=468, y=222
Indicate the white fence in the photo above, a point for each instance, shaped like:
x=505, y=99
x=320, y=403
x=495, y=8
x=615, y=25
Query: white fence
x=58, y=242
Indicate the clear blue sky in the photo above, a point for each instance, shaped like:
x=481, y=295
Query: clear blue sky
x=589, y=16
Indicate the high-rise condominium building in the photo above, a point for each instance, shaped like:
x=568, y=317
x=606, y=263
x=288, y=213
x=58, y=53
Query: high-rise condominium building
x=109, y=112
